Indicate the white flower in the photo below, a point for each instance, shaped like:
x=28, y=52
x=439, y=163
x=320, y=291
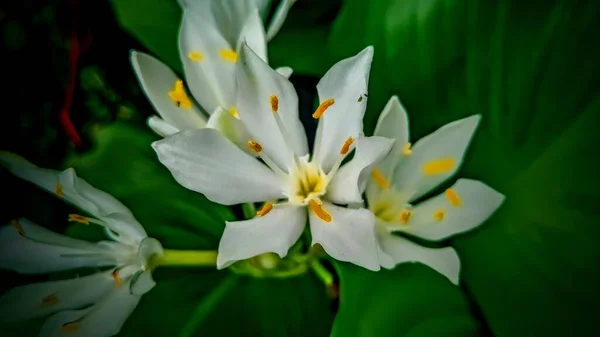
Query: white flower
x=94, y=305
x=206, y=162
x=210, y=36
x=408, y=174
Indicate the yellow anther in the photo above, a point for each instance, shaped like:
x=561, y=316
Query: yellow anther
x=58, y=191
x=453, y=197
x=346, y=147
x=405, y=217
x=274, y=100
x=380, y=179
x=71, y=327
x=179, y=96
x=79, y=218
x=195, y=56
x=322, y=107
x=265, y=209
x=234, y=112
x=255, y=146
x=319, y=210
x=439, y=214
x=439, y=166
x=117, y=278
x=406, y=149
x=228, y=55
x=17, y=225
x=49, y=301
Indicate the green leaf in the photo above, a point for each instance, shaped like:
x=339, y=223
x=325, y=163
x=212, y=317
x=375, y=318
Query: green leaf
x=531, y=71
x=192, y=301
x=155, y=23
x=411, y=300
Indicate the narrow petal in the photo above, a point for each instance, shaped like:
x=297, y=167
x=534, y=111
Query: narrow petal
x=158, y=81
x=393, y=124
x=285, y=71
x=349, y=236
x=69, y=187
x=30, y=249
x=443, y=260
x=161, y=127
x=274, y=232
x=346, y=84
x=208, y=61
x=101, y=320
x=232, y=128
x=466, y=205
x=142, y=282
x=42, y=299
x=204, y=161
x=264, y=92
x=279, y=18
x=435, y=158
x=253, y=33
x=349, y=182
x=263, y=7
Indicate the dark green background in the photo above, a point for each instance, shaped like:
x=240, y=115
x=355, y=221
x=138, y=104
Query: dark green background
x=530, y=68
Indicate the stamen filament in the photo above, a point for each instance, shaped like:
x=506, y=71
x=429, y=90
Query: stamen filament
x=380, y=179
x=258, y=149
x=17, y=225
x=274, y=101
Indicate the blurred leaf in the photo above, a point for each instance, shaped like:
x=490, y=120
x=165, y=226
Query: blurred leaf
x=531, y=70
x=411, y=300
x=155, y=23
x=193, y=302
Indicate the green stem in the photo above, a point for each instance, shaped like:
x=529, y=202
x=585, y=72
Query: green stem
x=322, y=273
x=249, y=210
x=206, y=258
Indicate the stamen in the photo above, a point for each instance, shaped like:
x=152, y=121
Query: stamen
x=439, y=214
x=322, y=107
x=274, y=100
x=228, y=55
x=195, y=55
x=17, y=225
x=255, y=146
x=58, y=191
x=453, y=197
x=268, y=207
x=49, y=301
x=406, y=149
x=179, y=96
x=117, y=278
x=319, y=210
x=71, y=327
x=380, y=179
x=405, y=217
x=79, y=218
x=346, y=147
x=234, y=112
x=439, y=166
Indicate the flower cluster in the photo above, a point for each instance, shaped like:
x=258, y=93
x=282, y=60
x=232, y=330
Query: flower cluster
x=231, y=131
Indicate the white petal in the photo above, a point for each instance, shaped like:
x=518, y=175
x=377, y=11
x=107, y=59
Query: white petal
x=161, y=127
x=232, y=128
x=158, y=80
x=206, y=162
x=210, y=78
x=253, y=33
x=349, y=237
x=275, y=232
x=257, y=83
x=42, y=299
x=142, y=282
x=39, y=250
x=349, y=182
x=443, y=260
x=101, y=320
x=447, y=146
x=285, y=71
x=279, y=18
x=77, y=191
x=263, y=7
x=346, y=83
x=477, y=203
